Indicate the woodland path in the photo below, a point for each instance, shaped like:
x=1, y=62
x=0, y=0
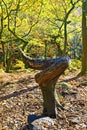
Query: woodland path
x=21, y=96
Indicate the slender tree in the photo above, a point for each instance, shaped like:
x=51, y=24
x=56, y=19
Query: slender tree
x=84, y=36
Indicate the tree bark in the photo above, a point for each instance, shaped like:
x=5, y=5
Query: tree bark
x=52, y=72
x=47, y=78
x=65, y=37
x=48, y=100
x=84, y=37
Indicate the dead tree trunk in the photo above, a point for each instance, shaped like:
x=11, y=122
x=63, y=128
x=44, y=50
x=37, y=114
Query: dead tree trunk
x=47, y=78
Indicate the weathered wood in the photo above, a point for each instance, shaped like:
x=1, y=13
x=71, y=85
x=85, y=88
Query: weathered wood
x=47, y=78
x=37, y=64
x=52, y=72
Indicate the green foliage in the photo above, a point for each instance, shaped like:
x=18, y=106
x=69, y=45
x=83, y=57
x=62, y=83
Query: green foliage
x=75, y=64
x=18, y=65
x=1, y=70
x=38, y=26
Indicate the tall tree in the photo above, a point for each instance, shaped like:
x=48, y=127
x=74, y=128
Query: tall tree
x=84, y=36
x=67, y=13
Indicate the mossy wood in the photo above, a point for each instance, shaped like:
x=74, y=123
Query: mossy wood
x=47, y=78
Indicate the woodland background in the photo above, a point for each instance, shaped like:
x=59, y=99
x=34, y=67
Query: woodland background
x=42, y=28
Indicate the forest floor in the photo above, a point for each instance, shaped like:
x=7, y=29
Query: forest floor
x=20, y=96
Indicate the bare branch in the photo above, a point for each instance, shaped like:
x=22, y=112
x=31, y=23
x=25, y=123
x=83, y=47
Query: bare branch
x=1, y=29
x=21, y=39
x=35, y=22
x=17, y=8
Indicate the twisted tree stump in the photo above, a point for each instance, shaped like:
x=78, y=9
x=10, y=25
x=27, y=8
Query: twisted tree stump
x=47, y=78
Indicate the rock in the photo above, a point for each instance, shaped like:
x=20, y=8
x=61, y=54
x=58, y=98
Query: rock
x=41, y=123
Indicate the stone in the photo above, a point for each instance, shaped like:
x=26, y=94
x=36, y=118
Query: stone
x=40, y=122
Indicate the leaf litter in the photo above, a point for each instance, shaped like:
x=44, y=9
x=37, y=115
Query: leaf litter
x=21, y=96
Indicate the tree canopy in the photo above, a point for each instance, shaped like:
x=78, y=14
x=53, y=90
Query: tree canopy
x=42, y=28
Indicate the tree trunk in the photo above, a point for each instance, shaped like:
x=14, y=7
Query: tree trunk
x=84, y=37
x=47, y=78
x=49, y=100
x=4, y=54
x=9, y=63
x=65, y=37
